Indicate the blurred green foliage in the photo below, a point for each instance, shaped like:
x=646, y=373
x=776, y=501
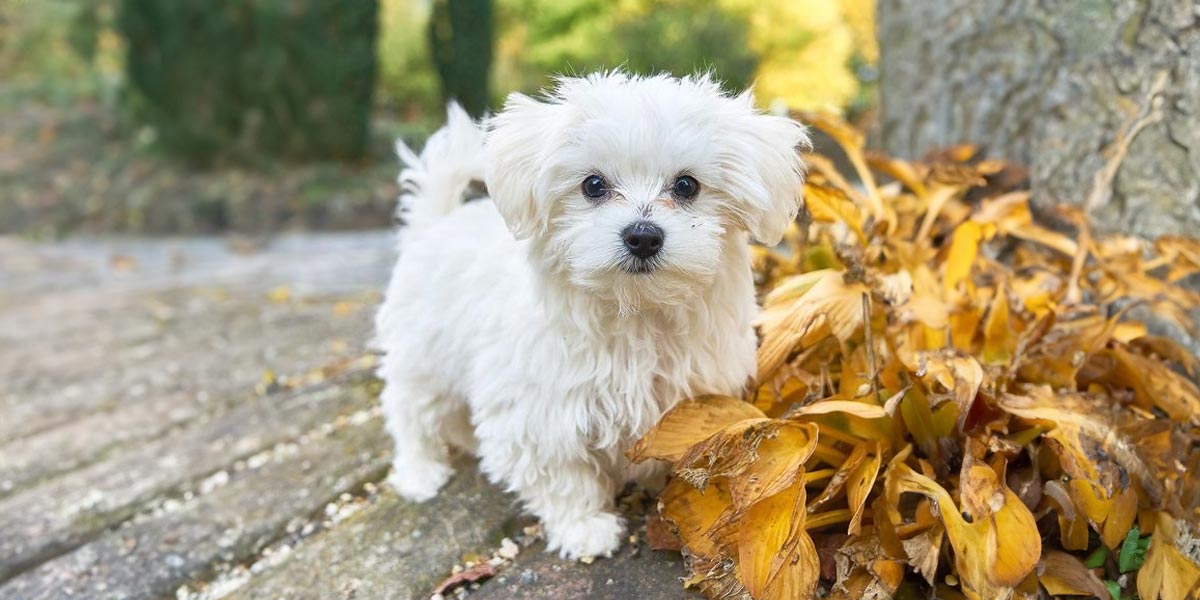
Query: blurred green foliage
x=290, y=78
x=56, y=52
x=579, y=36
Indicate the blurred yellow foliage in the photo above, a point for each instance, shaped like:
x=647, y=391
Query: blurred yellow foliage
x=805, y=49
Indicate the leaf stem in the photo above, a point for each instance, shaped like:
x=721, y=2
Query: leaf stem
x=825, y=519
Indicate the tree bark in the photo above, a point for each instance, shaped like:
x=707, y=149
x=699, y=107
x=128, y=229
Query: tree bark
x=1050, y=83
x=1056, y=85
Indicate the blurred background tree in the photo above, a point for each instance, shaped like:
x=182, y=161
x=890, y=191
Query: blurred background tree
x=292, y=105
x=291, y=78
x=460, y=39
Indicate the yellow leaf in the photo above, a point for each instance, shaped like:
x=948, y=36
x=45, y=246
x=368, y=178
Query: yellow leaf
x=865, y=410
x=802, y=311
x=964, y=247
x=1182, y=253
x=859, y=485
x=762, y=533
x=1093, y=454
x=694, y=513
x=780, y=460
x=733, y=451
x=831, y=205
x=1167, y=574
x=992, y=555
x=852, y=141
x=912, y=175
x=689, y=423
x=1167, y=349
x=279, y=294
x=954, y=372
x=776, y=557
x=999, y=337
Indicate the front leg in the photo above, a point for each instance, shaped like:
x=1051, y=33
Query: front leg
x=571, y=492
x=651, y=475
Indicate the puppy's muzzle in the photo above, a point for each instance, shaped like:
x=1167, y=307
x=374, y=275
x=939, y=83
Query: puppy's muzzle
x=643, y=239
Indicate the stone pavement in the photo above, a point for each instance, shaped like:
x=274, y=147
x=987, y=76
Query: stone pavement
x=197, y=419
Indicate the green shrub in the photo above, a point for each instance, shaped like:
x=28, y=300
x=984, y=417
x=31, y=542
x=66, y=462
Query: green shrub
x=290, y=78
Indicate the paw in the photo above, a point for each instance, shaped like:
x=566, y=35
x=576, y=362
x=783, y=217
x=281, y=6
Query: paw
x=419, y=481
x=596, y=535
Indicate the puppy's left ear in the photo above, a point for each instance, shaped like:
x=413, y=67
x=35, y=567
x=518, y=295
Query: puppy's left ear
x=768, y=171
x=516, y=144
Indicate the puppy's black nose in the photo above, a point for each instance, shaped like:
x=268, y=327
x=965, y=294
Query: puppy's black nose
x=643, y=239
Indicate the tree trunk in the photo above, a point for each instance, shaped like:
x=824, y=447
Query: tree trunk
x=1050, y=84
x=460, y=40
x=1053, y=84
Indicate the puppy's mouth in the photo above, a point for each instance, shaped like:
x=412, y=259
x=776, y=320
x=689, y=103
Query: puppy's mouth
x=639, y=266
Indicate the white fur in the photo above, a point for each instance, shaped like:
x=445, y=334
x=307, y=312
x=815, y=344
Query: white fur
x=542, y=354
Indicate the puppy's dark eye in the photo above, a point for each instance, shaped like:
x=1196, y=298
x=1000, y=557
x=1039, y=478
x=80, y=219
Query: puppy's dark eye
x=594, y=186
x=685, y=187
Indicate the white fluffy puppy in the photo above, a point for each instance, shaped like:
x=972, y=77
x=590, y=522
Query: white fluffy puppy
x=620, y=286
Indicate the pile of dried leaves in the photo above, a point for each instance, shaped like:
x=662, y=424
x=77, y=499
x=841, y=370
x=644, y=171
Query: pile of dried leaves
x=952, y=401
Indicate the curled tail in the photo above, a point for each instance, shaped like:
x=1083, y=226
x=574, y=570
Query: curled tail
x=434, y=183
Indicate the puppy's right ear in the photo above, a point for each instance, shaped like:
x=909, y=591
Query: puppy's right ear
x=517, y=143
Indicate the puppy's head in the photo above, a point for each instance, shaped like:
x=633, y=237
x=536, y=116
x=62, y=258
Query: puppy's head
x=630, y=184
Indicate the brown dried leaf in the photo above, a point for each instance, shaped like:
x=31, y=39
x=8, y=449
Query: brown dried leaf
x=923, y=551
x=732, y=451
x=1064, y=575
x=479, y=572
x=1153, y=383
x=660, y=535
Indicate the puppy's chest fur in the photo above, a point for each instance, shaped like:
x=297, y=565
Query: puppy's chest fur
x=644, y=365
